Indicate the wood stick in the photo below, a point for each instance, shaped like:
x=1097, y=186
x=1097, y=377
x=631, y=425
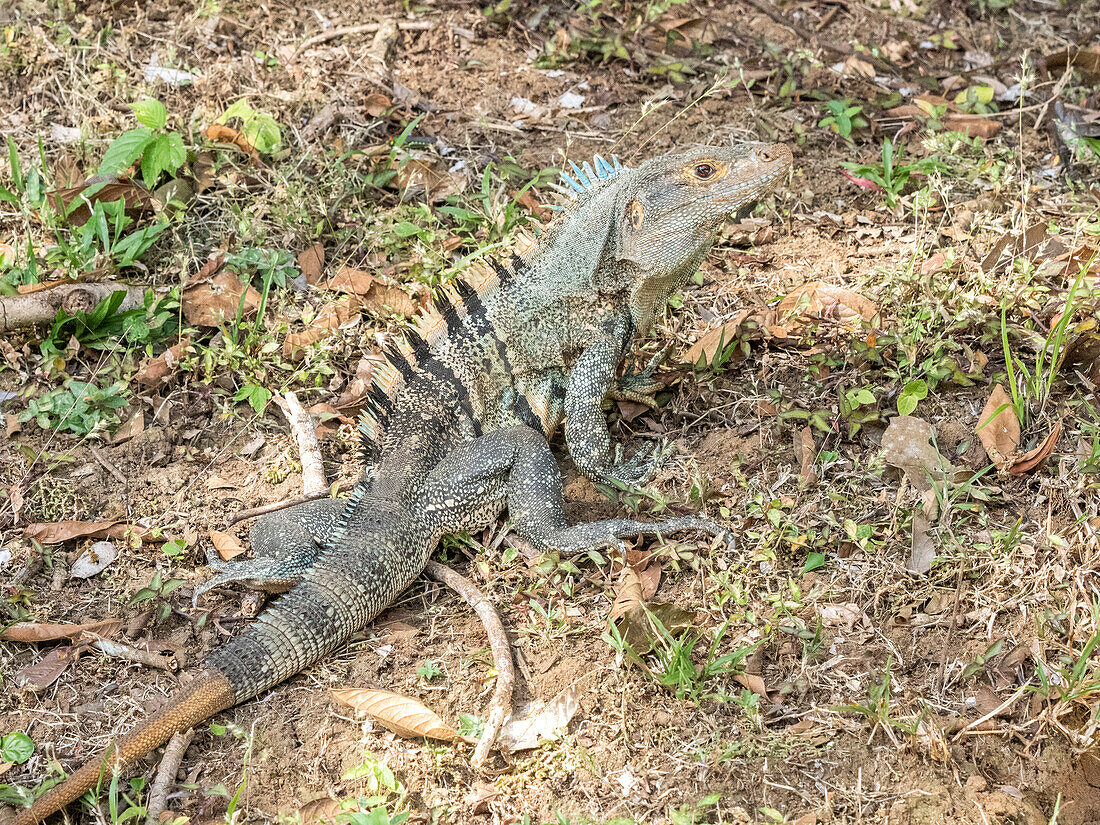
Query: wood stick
x=365, y=28
x=313, y=468
x=166, y=775
x=500, y=706
x=18, y=311
x=264, y=509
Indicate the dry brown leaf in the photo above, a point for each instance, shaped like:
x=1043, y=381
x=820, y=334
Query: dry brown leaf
x=354, y=396
x=537, y=721
x=312, y=262
x=211, y=302
x=383, y=299
x=350, y=280
x=341, y=313
x=376, y=103
x=907, y=445
x=807, y=452
x=636, y=619
x=650, y=578
x=326, y=811
x=220, y=133
x=1033, y=459
x=157, y=371
x=45, y=671
x=134, y=425
x=1085, y=60
x=403, y=715
x=972, y=125
x=59, y=531
x=34, y=632
x=818, y=299
x=999, y=429
x=754, y=683
x=227, y=545
x=137, y=198
x=746, y=325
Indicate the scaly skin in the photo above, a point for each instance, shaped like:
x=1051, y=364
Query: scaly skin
x=460, y=424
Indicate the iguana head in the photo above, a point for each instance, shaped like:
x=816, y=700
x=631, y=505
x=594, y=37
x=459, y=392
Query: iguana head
x=670, y=212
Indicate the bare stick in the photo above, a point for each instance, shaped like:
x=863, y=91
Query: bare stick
x=166, y=775
x=107, y=465
x=264, y=509
x=313, y=468
x=17, y=311
x=366, y=28
x=500, y=706
x=132, y=654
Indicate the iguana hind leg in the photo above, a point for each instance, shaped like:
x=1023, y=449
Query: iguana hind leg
x=285, y=544
x=470, y=486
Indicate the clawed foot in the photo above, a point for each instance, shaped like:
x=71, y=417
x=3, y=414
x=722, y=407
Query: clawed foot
x=639, y=387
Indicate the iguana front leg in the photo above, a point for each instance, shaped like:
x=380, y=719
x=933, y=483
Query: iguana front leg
x=470, y=486
x=586, y=432
x=285, y=544
x=639, y=387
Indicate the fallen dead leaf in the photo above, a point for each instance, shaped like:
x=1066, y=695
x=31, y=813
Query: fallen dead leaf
x=213, y=301
x=972, y=125
x=818, y=299
x=312, y=262
x=133, y=426
x=807, y=452
x=220, y=133
x=227, y=545
x=907, y=445
x=350, y=280
x=1033, y=459
x=843, y=615
x=43, y=673
x=59, y=531
x=35, y=632
x=93, y=560
x=98, y=189
x=403, y=715
x=343, y=313
x=746, y=325
x=999, y=429
x=637, y=621
x=536, y=721
x=157, y=371
x=376, y=103
x=754, y=683
x=326, y=811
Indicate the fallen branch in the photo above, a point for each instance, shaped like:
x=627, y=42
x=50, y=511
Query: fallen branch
x=118, y=650
x=166, y=775
x=18, y=311
x=500, y=706
x=313, y=468
x=365, y=28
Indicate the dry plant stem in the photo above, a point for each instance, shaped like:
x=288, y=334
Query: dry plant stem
x=107, y=465
x=366, y=28
x=18, y=311
x=500, y=706
x=166, y=775
x=313, y=469
x=264, y=509
x=133, y=654
x=1001, y=708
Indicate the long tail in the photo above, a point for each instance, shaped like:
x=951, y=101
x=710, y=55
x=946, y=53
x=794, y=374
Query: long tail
x=209, y=693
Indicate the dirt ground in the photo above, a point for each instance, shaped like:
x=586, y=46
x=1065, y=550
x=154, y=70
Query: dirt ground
x=966, y=693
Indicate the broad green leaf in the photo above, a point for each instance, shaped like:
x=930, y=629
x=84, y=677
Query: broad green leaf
x=16, y=747
x=150, y=113
x=913, y=392
x=813, y=561
x=165, y=154
x=124, y=150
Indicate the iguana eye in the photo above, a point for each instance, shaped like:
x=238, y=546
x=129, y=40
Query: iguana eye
x=704, y=170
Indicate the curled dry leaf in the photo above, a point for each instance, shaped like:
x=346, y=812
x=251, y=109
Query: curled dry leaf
x=537, y=721
x=999, y=429
x=227, y=545
x=637, y=621
x=820, y=300
x=220, y=133
x=34, y=632
x=373, y=294
x=157, y=371
x=1034, y=459
x=343, y=313
x=403, y=715
x=326, y=811
x=972, y=125
x=746, y=325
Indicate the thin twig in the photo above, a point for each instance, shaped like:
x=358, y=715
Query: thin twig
x=365, y=28
x=264, y=509
x=108, y=466
x=500, y=706
x=132, y=654
x=1001, y=708
x=166, y=775
x=313, y=468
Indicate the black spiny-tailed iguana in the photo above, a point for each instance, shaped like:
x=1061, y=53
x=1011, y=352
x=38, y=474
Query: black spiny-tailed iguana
x=460, y=419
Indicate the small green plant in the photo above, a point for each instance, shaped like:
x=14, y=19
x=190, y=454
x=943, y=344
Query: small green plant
x=16, y=747
x=78, y=407
x=157, y=592
x=892, y=175
x=911, y=394
x=159, y=150
x=843, y=118
x=258, y=128
x=858, y=406
x=1030, y=388
x=976, y=100
x=428, y=670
